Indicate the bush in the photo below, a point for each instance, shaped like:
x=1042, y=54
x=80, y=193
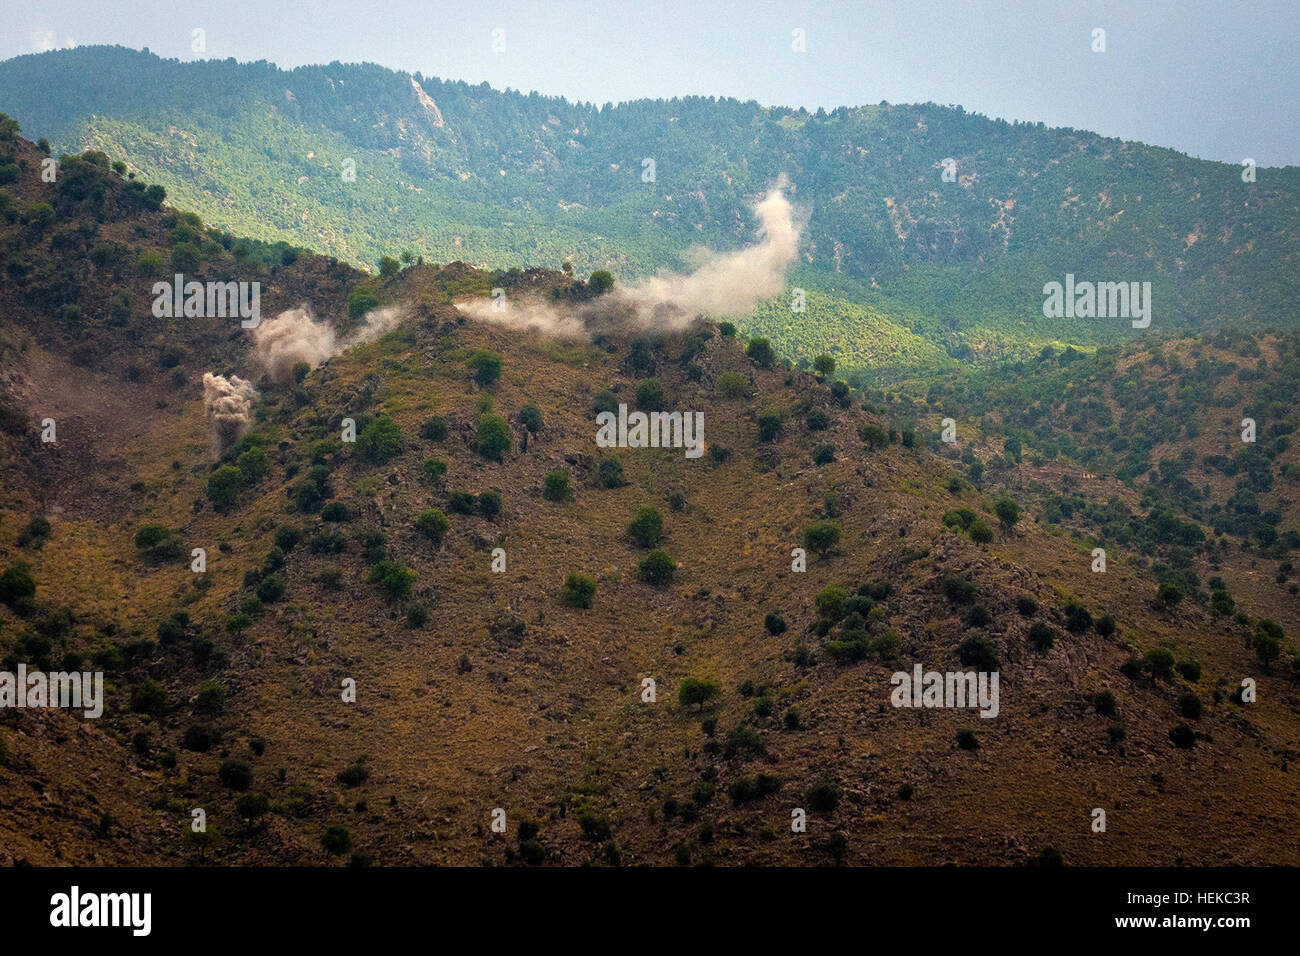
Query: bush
x=433, y=524
x=605, y=401
x=1169, y=594
x=823, y=454
x=1160, y=662
x=531, y=418
x=360, y=301
x=578, y=590
x=435, y=429
x=647, y=528
x=657, y=567
x=1008, y=513
x=650, y=395
x=775, y=624
x=149, y=697
x=1189, y=671
x=461, y=502
x=609, y=473
x=1077, y=618
x=957, y=589
x=493, y=438
x=1182, y=736
x=1026, y=606
x=823, y=798
x=17, y=587
x=966, y=740
x=485, y=366
x=435, y=470
x=976, y=651
x=379, y=440
x=981, y=533
x=1190, y=706
x=769, y=426
x=760, y=351
x=489, y=505
x=1105, y=625
x=600, y=281
x=555, y=486
x=394, y=578
x=271, y=588
x=873, y=436
x=743, y=742
x=1041, y=637
x=235, y=774
x=821, y=536
x=732, y=385
x=336, y=840
x=1104, y=703
x=224, y=486
x=354, y=774
x=158, y=542
x=692, y=692
x=211, y=699
x=251, y=806
x=335, y=511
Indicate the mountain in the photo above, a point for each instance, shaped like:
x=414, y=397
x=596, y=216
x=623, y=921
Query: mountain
x=450, y=171
x=368, y=565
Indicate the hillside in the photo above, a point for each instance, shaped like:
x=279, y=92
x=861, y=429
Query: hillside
x=449, y=171
x=479, y=689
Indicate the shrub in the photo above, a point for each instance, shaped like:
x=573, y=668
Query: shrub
x=1190, y=706
x=361, y=301
x=578, y=590
x=394, y=578
x=461, y=502
x=823, y=454
x=966, y=740
x=760, y=351
x=774, y=623
x=823, y=798
x=976, y=651
x=769, y=426
x=650, y=395
x=605, y=401
x=555, y=486
x=485, y=366
x=354, y=774
x=435, y=470
x=957, y=589
x=149, y=697
x=493, y=437
x=433, y=524
x=1077, y=618
x=1189, y=671
x=1169, y=594
x=235, y=774
x=253, y=464
x=158, y=542
x=489, y=505
x=17, y=587
x=435, y=429
x=1104, y=703
x=1182, y=736
x=821, y=536
x=271, y=588
x=600, y=281
x=743, y=742
x=251, y=806
x=873, y=436
x=1105, y=625
x=647, y=528
x=692, y=691
x=211, y=698
x=732, y=385
x=981, y=533
x=1026, y=606
x=609, y=473
x=657, y=567
x=1160, y=662
x=531, y=418
x=1008, y=513
x=1041, y=636
x=379, y=440
x=336, y=840
x=224, y=486
x=335, y=511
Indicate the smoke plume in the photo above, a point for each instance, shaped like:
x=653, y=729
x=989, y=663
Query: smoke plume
x=228, y=403
x=722, y=283
x=295, y=336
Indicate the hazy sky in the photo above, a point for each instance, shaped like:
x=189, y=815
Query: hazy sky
x=1214, y=78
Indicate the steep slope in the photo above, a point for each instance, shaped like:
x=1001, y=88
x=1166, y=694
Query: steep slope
x=479, y=689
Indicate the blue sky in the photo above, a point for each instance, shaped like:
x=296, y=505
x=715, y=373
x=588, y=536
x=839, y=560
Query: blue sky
x=1213, y=78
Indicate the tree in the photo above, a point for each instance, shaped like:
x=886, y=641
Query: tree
x=485, y=366
x=493, y=437
x=1267, y=642
x=336, y=840
x=379, y=440
x=824, y=365
x=760, y=351
x=17, y=587
x=531, y=418
x=1168, y=594
x=657, y=567
x=769, y=426
x=578, y=590
x=224, y=486
x=388, y=266
x=360, y=301
x=821, y=536
x=555, y=487
x=394, y=578
x=1008, y=513
x=433, y=524
x=235, y=774
x=600, y=281
x=692, y=692
x=647, y=528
